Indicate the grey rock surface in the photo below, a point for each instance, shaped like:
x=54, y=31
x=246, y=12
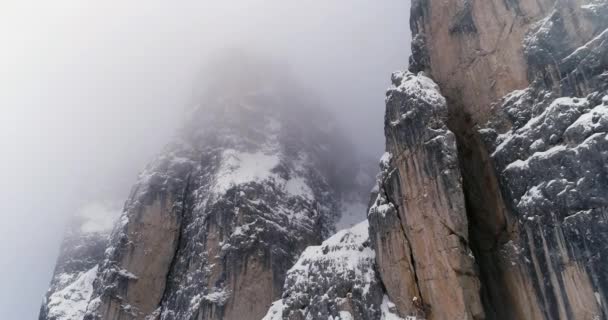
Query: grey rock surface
x=549, y=148
x=336, y=280
x=72, y=283
x=418, y=223
x=216, y=220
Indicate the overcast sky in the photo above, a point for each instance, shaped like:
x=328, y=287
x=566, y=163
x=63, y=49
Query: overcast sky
x=90, y=90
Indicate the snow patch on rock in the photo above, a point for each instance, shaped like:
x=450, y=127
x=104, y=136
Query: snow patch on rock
x=336, y=273
x=419, y=86
x=70, y=303
x=389, y=311
x=242, y=167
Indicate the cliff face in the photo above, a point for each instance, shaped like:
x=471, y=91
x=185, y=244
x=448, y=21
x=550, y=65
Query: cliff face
x=214, y=223
x=473, y=49
x=525, y=87
x=491, y=202
x=418, y=222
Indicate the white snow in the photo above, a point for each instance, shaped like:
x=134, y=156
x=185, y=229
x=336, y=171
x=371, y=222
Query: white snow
x=591, y=6
x=381, y=206
x=420, y=86
x=345, y=315
x=243, y=167
x=345, y=253
x=560, y=107
x=385, y=159
x=70, y=303
x=585, y=124
x=218, y=297
x=531, y=196
x=276, y=311
x=577, y=215
x=523, y=164
x=126, y=274
x=387, y=308
x=543, y=26
x=64, y=278
x=593, y=42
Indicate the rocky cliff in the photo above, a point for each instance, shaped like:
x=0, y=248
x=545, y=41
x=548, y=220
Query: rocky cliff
x=491, y=202
x=214, y=223
x=506, y=216
x=418, y=221
x=336, y=280
x=72, y=284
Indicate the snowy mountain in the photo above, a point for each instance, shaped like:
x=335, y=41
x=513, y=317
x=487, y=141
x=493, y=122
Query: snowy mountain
x=336, y=280
x=490, y=202
x=492, y=197
x=214, y=223
x=82, y=250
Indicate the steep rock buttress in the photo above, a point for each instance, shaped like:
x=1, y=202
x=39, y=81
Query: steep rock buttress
x=526, y=88
x=418, y=223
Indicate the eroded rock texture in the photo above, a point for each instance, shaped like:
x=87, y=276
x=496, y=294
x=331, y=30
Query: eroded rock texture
x=525, y=83
x=72, y=284
x=473, y=49
x=418, y=223
x=548, y=146
x=336, y=280
x=214, y=223
x=491, y=204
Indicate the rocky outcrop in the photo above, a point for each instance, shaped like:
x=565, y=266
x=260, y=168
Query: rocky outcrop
x=491, y=203
x=336, y=280
x=71, y=288
x=525, y=83
x=214, y=223
x=547, y=145
x=473, y=49
x=418, y=223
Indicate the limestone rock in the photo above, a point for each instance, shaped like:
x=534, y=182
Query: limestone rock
x=336, y=280
x=71, y=287
x=418, y=224
x=533, y=176
x=216, y=220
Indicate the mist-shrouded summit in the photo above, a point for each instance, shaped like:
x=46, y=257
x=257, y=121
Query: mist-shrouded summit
x=258, y=172
x=490, y=202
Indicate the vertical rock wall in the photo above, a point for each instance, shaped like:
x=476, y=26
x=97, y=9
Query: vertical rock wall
x=427, y=254
x=526, y=88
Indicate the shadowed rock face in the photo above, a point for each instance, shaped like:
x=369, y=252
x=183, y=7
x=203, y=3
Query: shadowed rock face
x=525, y=83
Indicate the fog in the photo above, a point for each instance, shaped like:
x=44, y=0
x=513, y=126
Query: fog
x=90, y=90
